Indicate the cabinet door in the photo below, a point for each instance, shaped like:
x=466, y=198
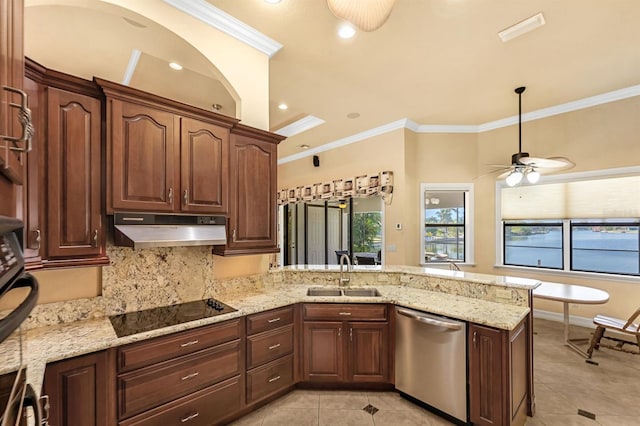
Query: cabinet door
x=144, y=146
x=486, y=375
x=11, y=74
x=368, y=352
x=323, y=351
x=252, y=219
x=81, y=390
x=204, y=167
x=74, y=222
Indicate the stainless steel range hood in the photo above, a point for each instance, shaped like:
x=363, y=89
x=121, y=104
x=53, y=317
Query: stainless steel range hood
x=144, y=230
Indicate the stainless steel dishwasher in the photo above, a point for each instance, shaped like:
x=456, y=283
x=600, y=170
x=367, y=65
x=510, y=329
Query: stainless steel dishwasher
x=431, y=360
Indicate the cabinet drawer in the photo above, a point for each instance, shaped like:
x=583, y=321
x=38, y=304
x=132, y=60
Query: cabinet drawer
x=269, y=320
x=203, y=408
x=163, y=348
x=344, y=312
x=270, y=378
x=151, y=386
x=269, y=345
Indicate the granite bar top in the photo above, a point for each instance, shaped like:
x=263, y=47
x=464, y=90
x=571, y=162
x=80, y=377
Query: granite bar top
x=53, y=343
x=497, y=280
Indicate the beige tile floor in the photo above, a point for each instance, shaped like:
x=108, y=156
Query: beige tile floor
x=564, y=383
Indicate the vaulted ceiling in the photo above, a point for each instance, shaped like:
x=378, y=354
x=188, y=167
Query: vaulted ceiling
x=433, y=61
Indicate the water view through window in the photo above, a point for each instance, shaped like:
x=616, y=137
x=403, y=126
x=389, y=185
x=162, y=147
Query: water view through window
x=601, y=247
x=444, y=228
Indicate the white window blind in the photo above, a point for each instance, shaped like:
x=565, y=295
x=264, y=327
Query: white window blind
x=617, y=197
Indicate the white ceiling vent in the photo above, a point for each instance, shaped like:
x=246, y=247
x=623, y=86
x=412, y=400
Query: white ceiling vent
x=522, y=27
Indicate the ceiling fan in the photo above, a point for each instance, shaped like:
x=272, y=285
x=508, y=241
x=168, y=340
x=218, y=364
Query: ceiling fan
x=525, y=166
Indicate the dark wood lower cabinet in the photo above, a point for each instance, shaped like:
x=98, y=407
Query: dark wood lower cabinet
x=209, y=406
x=499, y=379
x=81, y=390
x=355, y=351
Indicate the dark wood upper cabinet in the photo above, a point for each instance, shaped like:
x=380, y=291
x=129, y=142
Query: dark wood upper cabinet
x=144, y=145
x=164, y=156
x=11, y=75
x=62, y=195
x=253, y=179
x=204, y=164
x=74, y=219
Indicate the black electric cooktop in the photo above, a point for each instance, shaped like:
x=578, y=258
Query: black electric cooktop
x=166, y=316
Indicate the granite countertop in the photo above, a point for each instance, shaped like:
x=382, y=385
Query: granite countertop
x=53, y=343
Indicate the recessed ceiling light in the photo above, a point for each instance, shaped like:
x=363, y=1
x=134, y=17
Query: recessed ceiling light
x=272, y=1
x=353, y=115
x=304, y=146
x=522, y=27
x=283, y=106
x=346, y=31
x=176, y=66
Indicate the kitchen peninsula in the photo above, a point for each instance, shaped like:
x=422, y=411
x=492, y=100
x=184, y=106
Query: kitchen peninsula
x=496, y=304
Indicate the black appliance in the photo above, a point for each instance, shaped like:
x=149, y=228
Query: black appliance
x=15, y=393
x=166, y=316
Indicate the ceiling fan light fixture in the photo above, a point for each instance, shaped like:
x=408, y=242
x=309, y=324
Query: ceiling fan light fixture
x=533, y=176
x=367, y=15
x=514, y=178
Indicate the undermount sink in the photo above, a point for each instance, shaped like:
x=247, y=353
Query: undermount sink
x=353, y=292
x=361, y=292
x=324, y=292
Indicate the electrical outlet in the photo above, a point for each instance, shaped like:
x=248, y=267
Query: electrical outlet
x=503, y=293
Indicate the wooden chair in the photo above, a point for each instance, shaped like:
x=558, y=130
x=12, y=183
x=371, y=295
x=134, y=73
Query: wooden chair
x=603, y=323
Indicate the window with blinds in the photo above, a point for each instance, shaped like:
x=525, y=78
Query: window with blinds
x=589, y=225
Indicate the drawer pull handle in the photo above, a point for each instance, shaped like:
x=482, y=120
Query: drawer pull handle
x=277, y=345
x=274, y=379
x=190, y=376
x=345, y=313
x=191, y=343
x=271, y=321
x=190, y=417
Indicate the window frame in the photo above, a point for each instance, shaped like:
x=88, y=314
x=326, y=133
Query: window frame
x=469, y=234
x=567, y=258
x=559, y=223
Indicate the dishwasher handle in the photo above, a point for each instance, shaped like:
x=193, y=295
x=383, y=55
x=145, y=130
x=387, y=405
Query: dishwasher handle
x=431, y=321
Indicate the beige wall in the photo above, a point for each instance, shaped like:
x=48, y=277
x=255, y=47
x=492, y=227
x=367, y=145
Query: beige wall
x=601, y=137
x=384, y=152
x=232, y=57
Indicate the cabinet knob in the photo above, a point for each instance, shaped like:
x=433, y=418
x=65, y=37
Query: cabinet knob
x=185, y=197
x=170, y=195
x=95, y=238
x=351, y=334
x=233, y=236
x=475, y=334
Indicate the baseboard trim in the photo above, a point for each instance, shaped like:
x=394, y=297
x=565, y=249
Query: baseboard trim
x=558, y=317
x=579, y=321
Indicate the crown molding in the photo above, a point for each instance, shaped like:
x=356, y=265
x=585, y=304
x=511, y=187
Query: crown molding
x=385, y=128
x=131, y=66
x=616, y=95
x=226, y=23
x=302, y=125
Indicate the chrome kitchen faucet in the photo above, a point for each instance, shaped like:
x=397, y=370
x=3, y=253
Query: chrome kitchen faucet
x=343, y=280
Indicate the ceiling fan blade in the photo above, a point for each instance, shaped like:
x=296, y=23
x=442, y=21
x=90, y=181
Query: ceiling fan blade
x=502, y=169
x=547, y=163
x=504, y=174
